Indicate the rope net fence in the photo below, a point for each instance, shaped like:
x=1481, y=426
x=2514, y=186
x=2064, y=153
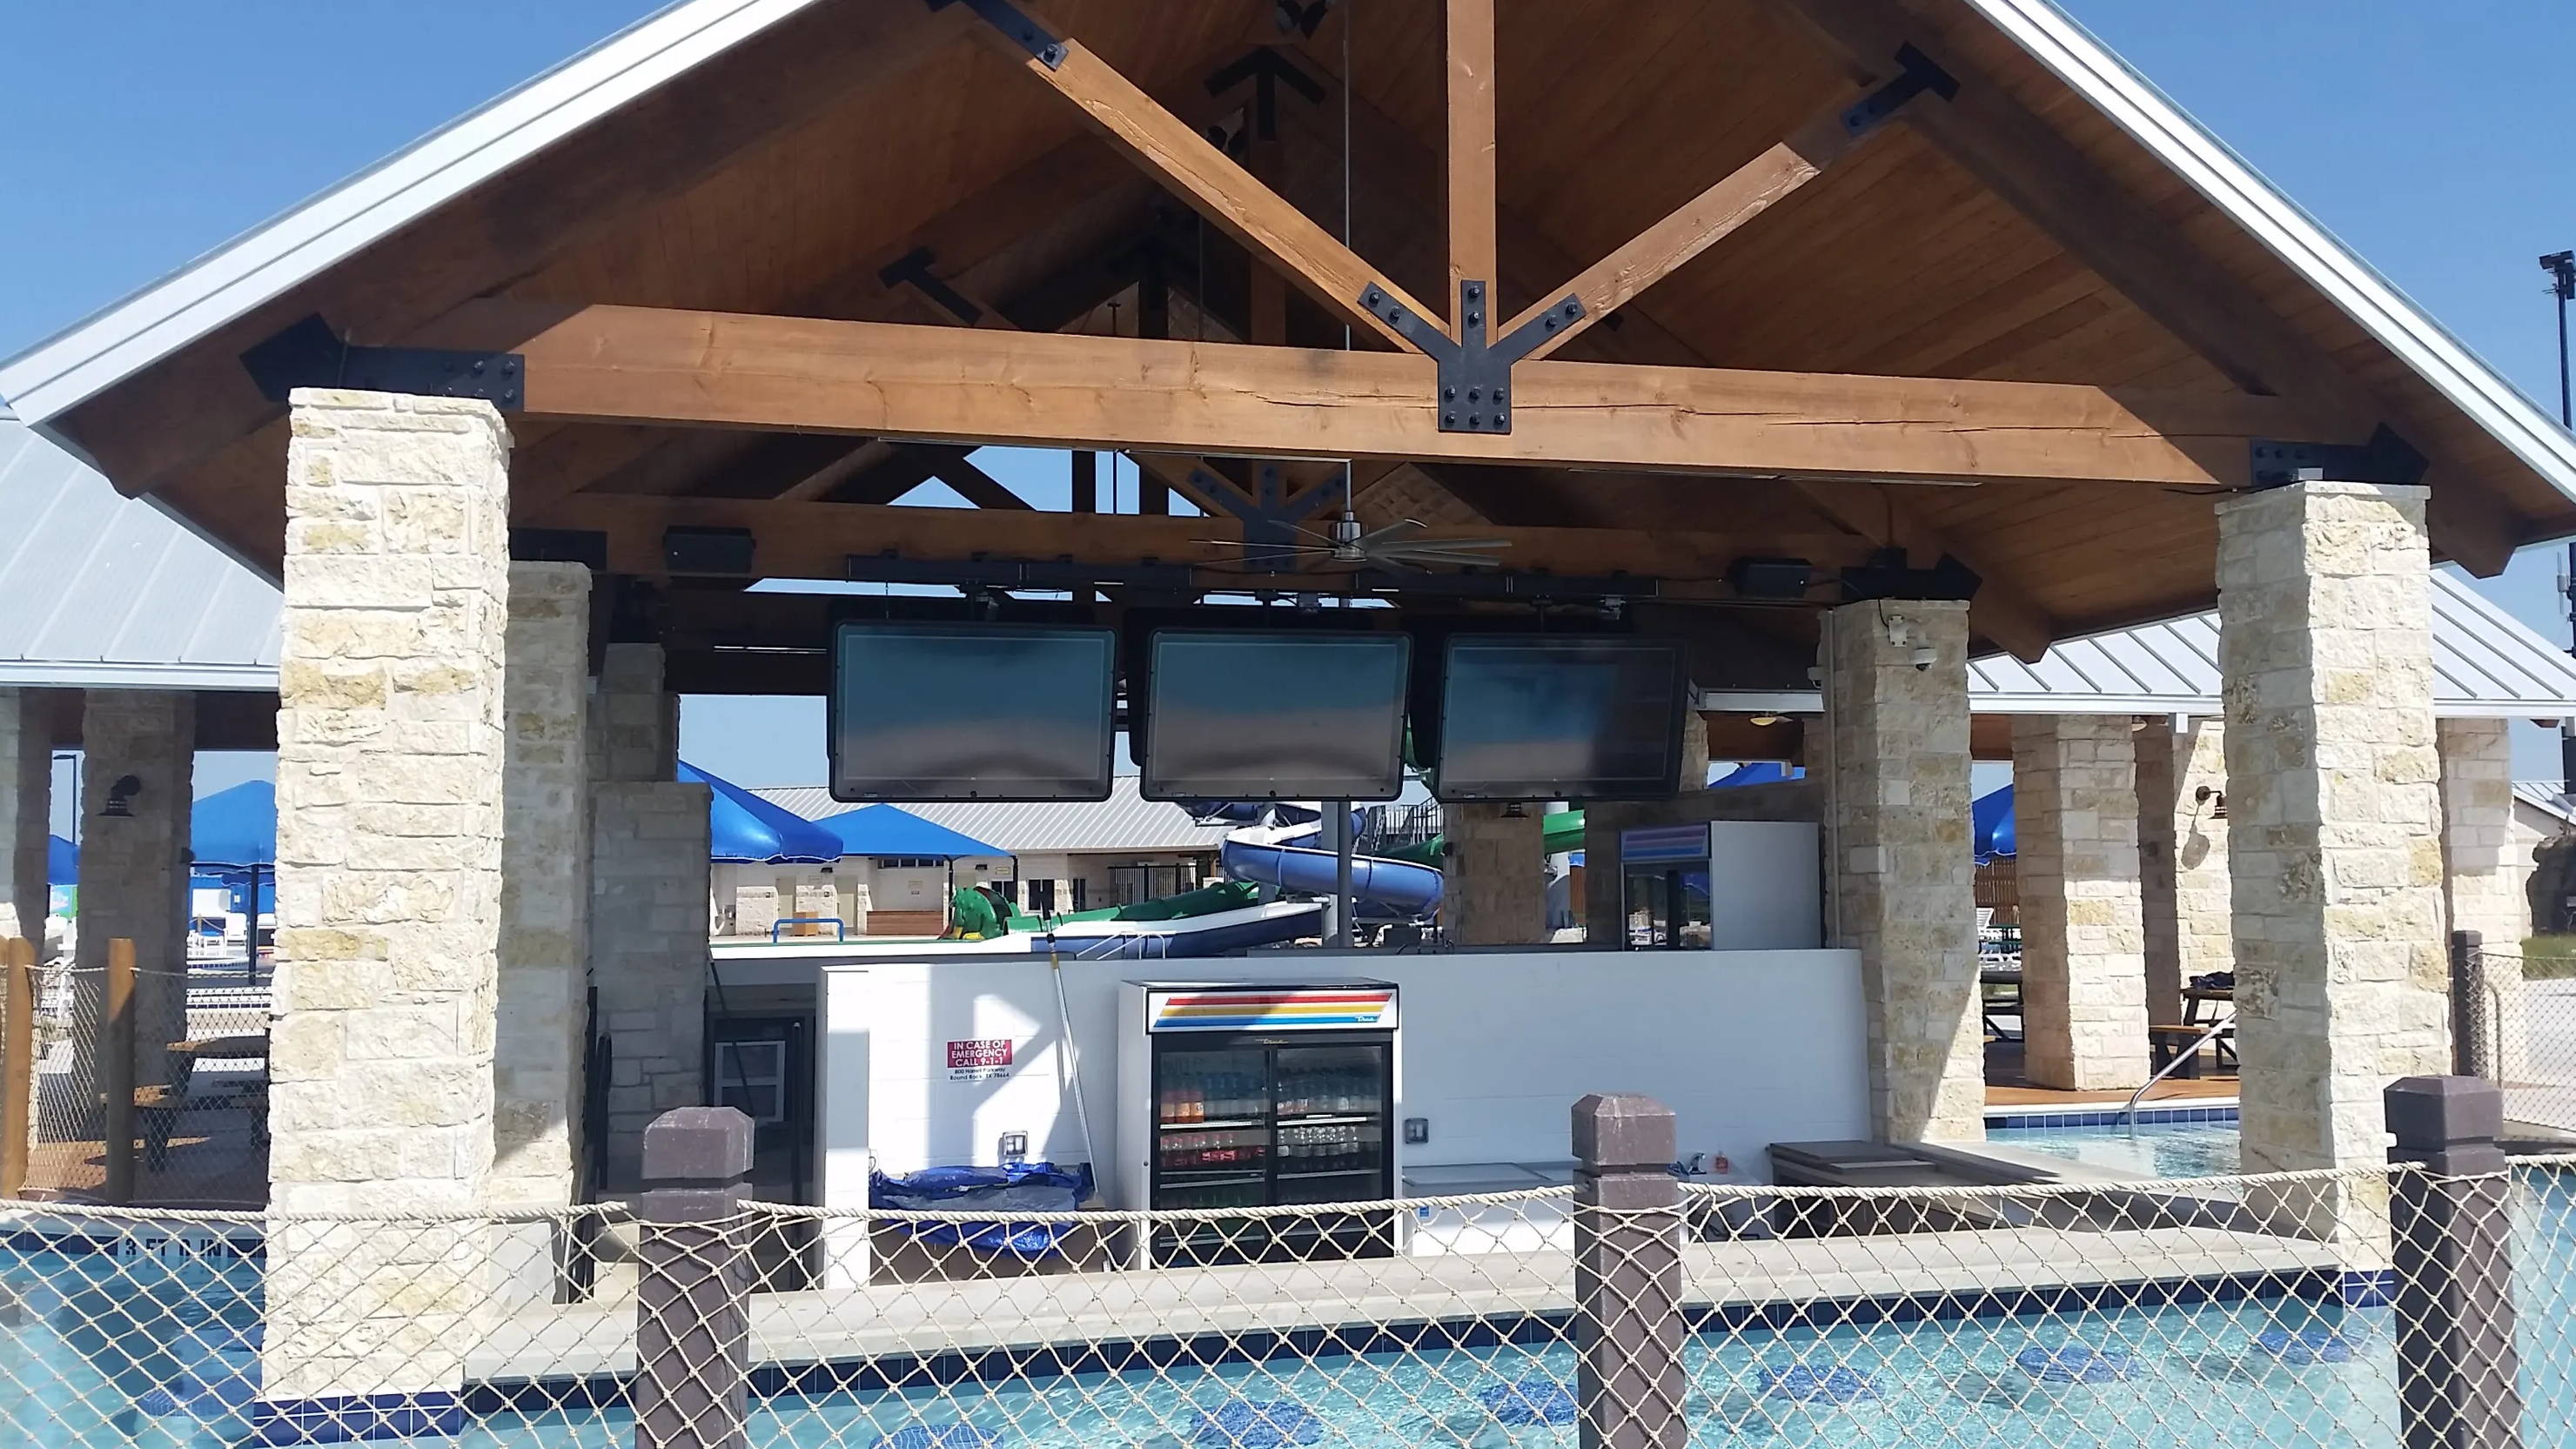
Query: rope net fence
x=199, y=1078
x=2347, y=1308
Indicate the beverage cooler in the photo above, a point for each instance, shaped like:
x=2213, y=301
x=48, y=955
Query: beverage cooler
x=1259, y=1096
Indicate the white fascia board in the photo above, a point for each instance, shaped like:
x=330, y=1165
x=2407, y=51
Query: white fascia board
x=2058, y=42
x=109, y=674
x=108, y=346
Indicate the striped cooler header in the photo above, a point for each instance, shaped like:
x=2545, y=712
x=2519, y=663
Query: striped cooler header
x=1642, y=843
x=1271, y=1008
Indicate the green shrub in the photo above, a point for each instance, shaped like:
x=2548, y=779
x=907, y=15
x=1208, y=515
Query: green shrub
x=2549, y=958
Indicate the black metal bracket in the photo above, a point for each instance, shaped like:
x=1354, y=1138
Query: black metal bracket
x=2386, y=458
x=1302, y=19
x=1916, y=74
x=1475, y=377
x=1015, y=23
x=913, y=270
x=310, y=354
x=1267, y=69
x=1269, y=518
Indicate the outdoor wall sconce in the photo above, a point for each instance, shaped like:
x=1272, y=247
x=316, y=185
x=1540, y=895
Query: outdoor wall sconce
x=120, y=798
x=2216, y=800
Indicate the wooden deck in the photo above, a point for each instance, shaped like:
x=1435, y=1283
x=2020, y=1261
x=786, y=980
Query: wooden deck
x=903, y=1320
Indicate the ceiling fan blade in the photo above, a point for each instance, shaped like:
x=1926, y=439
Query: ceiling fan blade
x=1425, y=557
x=1401, y=528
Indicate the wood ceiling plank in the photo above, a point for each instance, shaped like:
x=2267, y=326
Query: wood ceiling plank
x=2000, y=611
x=1218, y=188
x=194, y=403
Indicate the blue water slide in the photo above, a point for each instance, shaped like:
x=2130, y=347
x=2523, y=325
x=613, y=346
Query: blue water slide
x=1399, y=886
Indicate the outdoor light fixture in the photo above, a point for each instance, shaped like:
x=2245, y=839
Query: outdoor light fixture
x=120, y=798
x=2216, y=800
x=1515, y=811
x=1765, y=721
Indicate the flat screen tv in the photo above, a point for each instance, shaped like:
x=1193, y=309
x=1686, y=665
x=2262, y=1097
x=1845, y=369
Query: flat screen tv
x=1560, y=717
x=1254, y=716
x=927, y=711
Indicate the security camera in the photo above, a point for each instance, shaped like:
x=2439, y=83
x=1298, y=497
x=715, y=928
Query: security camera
x=1924, y=656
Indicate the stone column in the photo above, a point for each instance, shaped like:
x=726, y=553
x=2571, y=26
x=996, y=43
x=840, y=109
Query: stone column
x=2182, y=847
x=391, y=760
x=1894, y=765
x=1494, y=887
x=2084, y=994
x=648, y=955
x=635, y=725
x=651, y=882
x=26, y=808
x=2334, y=849
x=2486, y=873
x=134, y=864
x=545, y=890
x=1694, y=763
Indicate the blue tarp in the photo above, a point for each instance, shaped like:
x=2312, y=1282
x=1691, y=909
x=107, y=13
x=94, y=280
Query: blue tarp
x=1760, y=772
x=1029, y=1187
x=235, y=827
x=1990, y=825
x=62, y=862
x=744, y=829
x=892, y=830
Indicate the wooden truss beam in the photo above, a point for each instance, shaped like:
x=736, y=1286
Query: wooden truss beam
x=816, y=540
x=1473, y=240
x=1700, y=223
x=1383, y=149
x=1210, y=181
x=633, y=364
x=2045, y=177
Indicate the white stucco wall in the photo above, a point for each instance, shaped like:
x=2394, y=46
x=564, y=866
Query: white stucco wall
x=1749, y=1048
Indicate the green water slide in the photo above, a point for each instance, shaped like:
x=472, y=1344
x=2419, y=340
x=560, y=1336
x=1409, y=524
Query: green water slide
x=1207, y=900
x=1558, y=833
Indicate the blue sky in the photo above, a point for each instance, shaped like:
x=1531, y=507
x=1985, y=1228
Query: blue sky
x=2432, y=137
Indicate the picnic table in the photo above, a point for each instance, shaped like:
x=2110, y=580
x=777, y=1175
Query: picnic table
x=2217, y=998
x=160, y=1107
x=1999, y=994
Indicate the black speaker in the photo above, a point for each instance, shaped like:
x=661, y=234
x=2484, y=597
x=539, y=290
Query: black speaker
x=707, y=550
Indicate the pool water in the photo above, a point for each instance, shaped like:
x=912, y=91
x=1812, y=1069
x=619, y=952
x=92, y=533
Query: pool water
x=2156, y=1149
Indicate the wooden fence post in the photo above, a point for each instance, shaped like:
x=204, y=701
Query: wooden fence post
x=17, y=1064
x=1629, y=1325
x=116, y=1071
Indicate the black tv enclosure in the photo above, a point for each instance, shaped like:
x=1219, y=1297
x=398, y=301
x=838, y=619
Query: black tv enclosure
x=971, y=711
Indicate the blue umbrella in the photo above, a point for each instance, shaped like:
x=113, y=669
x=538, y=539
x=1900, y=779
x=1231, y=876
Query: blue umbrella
x=235, y=827
x=744, y=829
x=1760, y=772
x=890, y=830
x=1990, y=825
x=62, y=861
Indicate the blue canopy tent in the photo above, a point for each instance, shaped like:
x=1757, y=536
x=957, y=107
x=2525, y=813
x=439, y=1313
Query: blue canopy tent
x=743, y=829
x=1990, y=825
x=232, y=844
x=891, y=830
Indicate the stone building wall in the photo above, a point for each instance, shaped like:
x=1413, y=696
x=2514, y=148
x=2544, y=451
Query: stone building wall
x=26, y=806
x=134, y=866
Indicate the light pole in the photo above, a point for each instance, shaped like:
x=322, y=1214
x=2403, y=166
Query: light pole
x=2561, y=267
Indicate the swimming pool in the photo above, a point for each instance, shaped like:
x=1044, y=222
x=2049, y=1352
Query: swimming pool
x=2155, y=1149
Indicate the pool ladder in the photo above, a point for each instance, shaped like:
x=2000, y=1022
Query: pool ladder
x=2129, y=1113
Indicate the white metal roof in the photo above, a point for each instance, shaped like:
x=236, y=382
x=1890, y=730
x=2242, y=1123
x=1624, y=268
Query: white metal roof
x=99, y=591
x=2486, y=665
x=113, y=344
x=1124, y=821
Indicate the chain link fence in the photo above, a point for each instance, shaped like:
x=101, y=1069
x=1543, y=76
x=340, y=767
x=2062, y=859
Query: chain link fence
x=2418, y=1304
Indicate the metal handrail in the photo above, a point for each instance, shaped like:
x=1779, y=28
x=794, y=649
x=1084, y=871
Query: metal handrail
x=840, y=928
x=2129, y=1113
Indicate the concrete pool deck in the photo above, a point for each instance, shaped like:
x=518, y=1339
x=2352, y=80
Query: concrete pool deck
x=911, y=1320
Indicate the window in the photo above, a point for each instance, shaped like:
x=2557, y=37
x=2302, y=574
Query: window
x=1042, y=897
x=907, y=862
x=751, y=1076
